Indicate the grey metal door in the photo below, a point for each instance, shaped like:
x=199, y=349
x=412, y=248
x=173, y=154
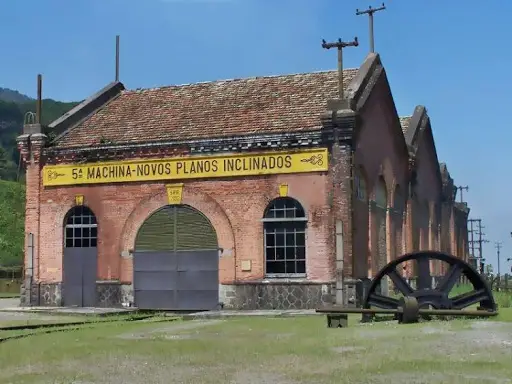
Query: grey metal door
x=175, y=263
x=79, y=262
x=79, y=277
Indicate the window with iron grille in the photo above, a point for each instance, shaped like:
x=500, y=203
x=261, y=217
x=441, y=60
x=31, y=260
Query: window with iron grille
x=360, y=186
x=81, y=228
x=284, y=226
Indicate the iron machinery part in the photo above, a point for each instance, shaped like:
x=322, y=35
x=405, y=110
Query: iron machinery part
x=397, y=311
x=427, y=295
x=410, y=310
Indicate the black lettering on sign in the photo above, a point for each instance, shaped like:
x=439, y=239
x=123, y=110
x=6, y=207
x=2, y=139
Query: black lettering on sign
x=228, y=165
x=179, y=167
x=257, y=163
x=90, y=173
x=76, y=173
x=159, y=169
x=238, y=164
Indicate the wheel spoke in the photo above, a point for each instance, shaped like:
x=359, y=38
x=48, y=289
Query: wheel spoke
x=424, y=278
x=400, y=283
x=450, y=279
x=382, y=301
x=469, y=298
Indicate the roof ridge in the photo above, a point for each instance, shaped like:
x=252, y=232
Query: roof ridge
x=237, y=79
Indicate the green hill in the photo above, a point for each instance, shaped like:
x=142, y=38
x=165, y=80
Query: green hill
x=12, y=223
x=11, y=125
x=13, y=107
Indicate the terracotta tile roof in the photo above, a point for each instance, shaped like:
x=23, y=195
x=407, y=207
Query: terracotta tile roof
x=404, y=122
x=214, y=109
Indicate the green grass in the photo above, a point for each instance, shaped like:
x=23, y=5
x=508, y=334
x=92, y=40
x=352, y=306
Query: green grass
x=6, y=295
x=262, y=350
x=35, y=319
x=12, y=222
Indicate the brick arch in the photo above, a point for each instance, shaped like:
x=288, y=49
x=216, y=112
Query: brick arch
x=62, y=209
x=203, y=202
x=268, y=200
x=380, y=182
x=399, y=198
x=397, y=221
x=388, y=175
x=361, y=174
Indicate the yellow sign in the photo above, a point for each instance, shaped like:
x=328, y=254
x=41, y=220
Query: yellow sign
x=190, y=167
x=79, y=199
x=174, y=193
x=283, y=190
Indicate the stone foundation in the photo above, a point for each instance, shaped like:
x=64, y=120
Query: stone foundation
x=127, y=299
x=108, y=294
x=276, y=295
x=47, y=294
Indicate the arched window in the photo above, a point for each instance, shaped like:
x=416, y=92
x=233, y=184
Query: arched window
x=81, y=228
x=285, y=237
x=360, y=186
x=381, y=195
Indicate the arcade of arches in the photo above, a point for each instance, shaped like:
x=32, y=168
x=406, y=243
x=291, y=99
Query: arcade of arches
x=403, y=226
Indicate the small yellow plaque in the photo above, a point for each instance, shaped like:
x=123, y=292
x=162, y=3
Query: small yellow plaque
x=283, y=190
x=79, y=199
x=52, y=270
x=174, y=193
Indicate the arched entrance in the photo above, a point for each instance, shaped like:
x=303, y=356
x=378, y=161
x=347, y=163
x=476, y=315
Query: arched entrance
x=80, y=258
x=176, y=261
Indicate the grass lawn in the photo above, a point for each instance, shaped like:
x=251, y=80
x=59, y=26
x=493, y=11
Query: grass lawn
x=265, y=350
x=4, y=295
x=35, y=319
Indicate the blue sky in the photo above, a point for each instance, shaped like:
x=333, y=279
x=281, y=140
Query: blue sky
x=450, y=56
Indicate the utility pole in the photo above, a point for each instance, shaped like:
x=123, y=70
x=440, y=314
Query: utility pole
x=498, y=245
x=340, y=45
x=466, y=188
x=472, y=242
x=370, y=11
x=478, y=232
x=481, y=240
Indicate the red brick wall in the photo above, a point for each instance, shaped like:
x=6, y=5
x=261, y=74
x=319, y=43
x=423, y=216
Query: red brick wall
x=234, y=207
x=427, y=191
x=30, y=151
x=378, y=153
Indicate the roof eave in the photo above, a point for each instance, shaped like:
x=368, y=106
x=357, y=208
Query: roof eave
x=64, y=124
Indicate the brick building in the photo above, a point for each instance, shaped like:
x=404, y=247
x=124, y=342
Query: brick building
x=253, y=193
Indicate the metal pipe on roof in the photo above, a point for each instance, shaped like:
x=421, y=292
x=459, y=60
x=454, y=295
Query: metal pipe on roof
x=117, y=58
x=39, y=101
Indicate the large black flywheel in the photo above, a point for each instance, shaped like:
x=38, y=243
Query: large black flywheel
x=429, y=295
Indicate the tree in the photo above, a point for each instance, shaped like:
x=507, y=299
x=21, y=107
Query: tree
x=8, y=168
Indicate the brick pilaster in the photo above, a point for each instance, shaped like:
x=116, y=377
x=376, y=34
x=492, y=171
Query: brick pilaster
x=30, y=146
